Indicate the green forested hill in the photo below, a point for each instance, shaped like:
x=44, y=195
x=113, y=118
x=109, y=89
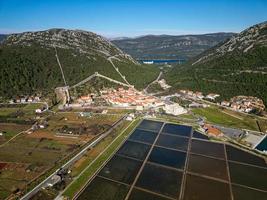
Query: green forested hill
x=236, y=67
x=28, y=62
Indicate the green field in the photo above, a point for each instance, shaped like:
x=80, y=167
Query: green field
x=15, y=118
x=216, y=116
x=76, y=186
x=20, y=113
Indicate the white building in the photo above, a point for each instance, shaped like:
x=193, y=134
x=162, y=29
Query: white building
x=148, y=62
x=212, y=96
x=225, y=103
x=38, y=111
x=174, y=109
x=139, y=107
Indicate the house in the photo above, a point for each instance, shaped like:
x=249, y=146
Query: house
x=30, y=100
x=129, y=118
x=225, y=103
x=104, y=111
x=190, y=93
x=41, y=126
x=199, y=95
x=23, y=100
x=158, y=103
x=11, y=101
x=36, y=98
x=212, y=96
x=85, y=99
x=139, y=107
x=38, y=111
x=235, y=106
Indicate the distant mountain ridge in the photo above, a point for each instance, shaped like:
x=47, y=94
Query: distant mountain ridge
x=236, y=67
x=28, y=61
x=170, y=46
x=2, y=37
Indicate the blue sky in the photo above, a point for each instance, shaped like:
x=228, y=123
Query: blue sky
x=113, y=18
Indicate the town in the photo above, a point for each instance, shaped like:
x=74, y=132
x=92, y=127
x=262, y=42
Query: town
x=246, y=104
x=133, y=100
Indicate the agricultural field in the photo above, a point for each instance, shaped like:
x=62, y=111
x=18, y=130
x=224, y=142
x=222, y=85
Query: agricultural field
x=19, y=112
x=30, y=154
x=79, y=124
x=16, y=118
x=9, y=130
x=262, y=123
x=228, y=118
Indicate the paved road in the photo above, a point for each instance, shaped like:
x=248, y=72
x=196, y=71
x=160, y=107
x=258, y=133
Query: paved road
x=72, y=161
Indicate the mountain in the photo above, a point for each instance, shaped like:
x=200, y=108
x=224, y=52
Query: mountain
x=236, y=67
x=2, y=37
x=169, y=46
x=28, y=61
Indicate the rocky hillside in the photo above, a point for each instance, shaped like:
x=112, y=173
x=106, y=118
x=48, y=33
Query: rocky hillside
x=28, y=61
x=81, y=42
x=168, y=46
x=253, y=37
x=236, y=67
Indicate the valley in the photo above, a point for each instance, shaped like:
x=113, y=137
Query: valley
x=83, y=117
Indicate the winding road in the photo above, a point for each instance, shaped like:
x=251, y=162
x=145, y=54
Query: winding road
x=156, y=80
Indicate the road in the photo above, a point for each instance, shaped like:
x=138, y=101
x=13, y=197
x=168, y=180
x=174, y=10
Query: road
x=14, y=137
x=117, y=69
x=61, y=69
x=96, y=74
x=156, y=80
x=72, y=160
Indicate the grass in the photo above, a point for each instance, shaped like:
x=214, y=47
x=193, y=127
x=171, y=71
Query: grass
x=11, y=129
x=19, y=113
x=178, y=119
x=216, y=116
x=7, y=111
x=263, y=125
x=187, y=116
x=3, y=193
x=78, y=183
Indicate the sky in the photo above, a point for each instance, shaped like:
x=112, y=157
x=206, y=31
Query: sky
x=117, y=18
